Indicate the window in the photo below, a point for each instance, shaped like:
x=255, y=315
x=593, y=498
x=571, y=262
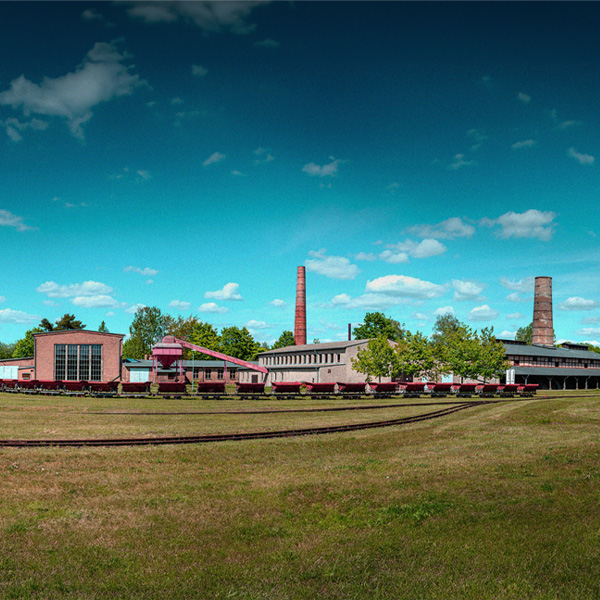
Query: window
x=219, y=373
x=96, y=363
x=208, y=374
x=232, y=374
x=72, y=362
x=75, y=362
x=59, y=361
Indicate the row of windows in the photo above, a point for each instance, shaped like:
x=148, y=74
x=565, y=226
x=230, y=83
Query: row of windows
x=208, y=373
x=303, y=359
x=542, y=361
x=78, y=362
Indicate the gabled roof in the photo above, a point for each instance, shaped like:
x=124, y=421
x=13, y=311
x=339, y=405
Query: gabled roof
x=548, y=352
x=70, y=331
x=316, y=347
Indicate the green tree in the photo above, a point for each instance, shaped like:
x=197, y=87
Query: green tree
x=491, y=359
x=594, y=348
x=24, y=347
x=285, y=339
x=68, y=321
x=205, y=335
x=146, y=329
x=6, y=350
x=457, y=351
x=415, y=356
x=525, y=334
x=46, y=325
x=376, y=360
x=239, y=343
x=182, y=329
x=103, y=328
x=445, y=325
x=376, y=324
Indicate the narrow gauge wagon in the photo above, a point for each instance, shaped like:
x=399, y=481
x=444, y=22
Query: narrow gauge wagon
x=508, y=390
x=439, y=390
x=529, y=389
x=104, y=388
x=351, y=390
x=52, y=386
x=412, y=389
x=10, y=385
x=487, y=390
x=29, y=386
x=320, y=390
x=75, y=388
x=135, y=388
x=286, y=389
x=208, y=389
x=464, y=390
x=249, y=390
x=384, y=390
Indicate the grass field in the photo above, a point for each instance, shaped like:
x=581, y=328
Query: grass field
x=499, y=501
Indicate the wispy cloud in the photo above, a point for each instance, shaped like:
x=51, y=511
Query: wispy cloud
x=179, y=305
x=483, y=313
x=213, y=158
x=229, y=292
x=578, y=303
x=523, y=144
x=449, y=229
x=336, y=267
x=467, y=290
x=8, y=315
x=7, y=219
x=403, y=286
x=524, y=98
x=530, y=224
x=582, y=159
x=267, y=43
x=212, y=307
x=326, y=170
x=459, y=161
x=146, y=271
x=199, y=71
x=524, y=285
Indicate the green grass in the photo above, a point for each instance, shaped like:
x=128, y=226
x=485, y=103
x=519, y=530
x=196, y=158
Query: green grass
x=500, y=501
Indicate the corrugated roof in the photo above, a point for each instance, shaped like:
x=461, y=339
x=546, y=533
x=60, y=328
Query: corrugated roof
x=316, y=347
x=132, y=363
x=545, y=351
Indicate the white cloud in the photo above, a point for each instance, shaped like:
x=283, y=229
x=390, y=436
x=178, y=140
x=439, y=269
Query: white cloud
x=2, y=299
x=567, y=124
x=336, y=267
x=405, y=287
x=394, y=257
x=322, y=171
x=87, y=288
x=591, y=320
x=514, y=297
x=507, y=335
x=199, y=71
x=213, y=158
x=268, y=43
x=8, y=315
x=367, y=301
x=365, y=256
x=418, y=316
x=578, y=303
x=212, y=307
x=444, y=310
x=100, y=78
x=483, y=313
x=179, y=304
x=97, y=301
x=524, y=98
x=467, y=290
x=523, y=144
x=449, y=229
x=585, y=331
x=427, y=248
x=460, y=161
x=146, y=271
x=210, y=16
x=263, y=155
x=515, y=316
x=7, y=219
x=582, y=159
x=278, y=303
x=134, y=308
x=14, y=127
x=254, y=324
x=530, y=224
x=525, y=285
x=229, y=292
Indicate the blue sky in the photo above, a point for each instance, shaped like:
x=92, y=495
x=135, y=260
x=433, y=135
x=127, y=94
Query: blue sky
x=418, y=158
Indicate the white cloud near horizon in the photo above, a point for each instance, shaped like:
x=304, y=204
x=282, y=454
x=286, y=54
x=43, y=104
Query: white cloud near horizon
x=335, y=267
x=212, y=307
x=229, y=292
x=8, y=315
x=97, y=301
x=87, y=288
x=467, y=290
x=444, y=310
x=404, y=287
x=179, y=304
x=99, y=78
x=532, y=223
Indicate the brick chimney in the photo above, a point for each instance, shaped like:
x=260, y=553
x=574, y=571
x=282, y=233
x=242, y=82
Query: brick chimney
x=300, y=322
x=543, y=328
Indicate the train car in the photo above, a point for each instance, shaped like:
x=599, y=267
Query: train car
x=464, y=390
x=320, y=390
x=439, y=390
x=11, y=385
x=411, y=389
x=252, y=390
x=52, y=386
x=349, y=390
x=508, y=390
x=103, y=388
x=75, y=388
x=135, y=388
x=209, y=389
x=29, y=386
x=384, y=389
x=487, y=390
x=527, y=389
x=286, y=389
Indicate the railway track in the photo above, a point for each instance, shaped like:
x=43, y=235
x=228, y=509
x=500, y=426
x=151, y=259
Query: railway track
x=229, y=437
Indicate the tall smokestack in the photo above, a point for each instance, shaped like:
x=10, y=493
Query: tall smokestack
x=543, y=328
x=300, y=322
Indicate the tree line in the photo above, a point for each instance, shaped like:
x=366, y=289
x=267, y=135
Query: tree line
x=453, y=347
